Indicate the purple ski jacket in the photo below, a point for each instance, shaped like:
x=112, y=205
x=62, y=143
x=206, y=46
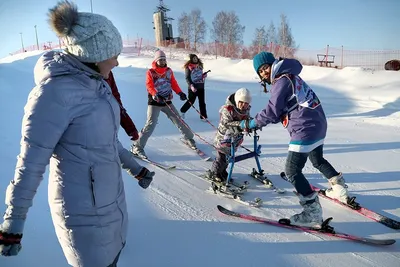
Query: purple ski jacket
x=295, y=104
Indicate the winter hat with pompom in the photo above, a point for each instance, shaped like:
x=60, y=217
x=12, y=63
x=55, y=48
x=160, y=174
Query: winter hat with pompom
x=90, y=37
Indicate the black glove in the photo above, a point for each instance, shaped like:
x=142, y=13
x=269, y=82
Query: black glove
x=145, y=178
x=183, y=96
x=158, y=99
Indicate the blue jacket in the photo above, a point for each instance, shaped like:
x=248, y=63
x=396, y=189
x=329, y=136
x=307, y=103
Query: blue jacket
x=295, y=104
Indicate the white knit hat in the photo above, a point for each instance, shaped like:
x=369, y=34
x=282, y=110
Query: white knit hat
x=90, y=37
x=244, y=95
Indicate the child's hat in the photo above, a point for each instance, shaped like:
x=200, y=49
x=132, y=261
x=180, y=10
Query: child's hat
x=244, y=95
x=159, y=55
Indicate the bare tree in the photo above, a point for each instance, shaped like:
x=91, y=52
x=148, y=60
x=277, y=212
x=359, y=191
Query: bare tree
x=185, y=28
x=271, y=34
x=228, y=31
x=199, y=27
x=259, y=41
x=285, y=38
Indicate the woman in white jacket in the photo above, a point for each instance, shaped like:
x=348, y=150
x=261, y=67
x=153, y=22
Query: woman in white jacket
x=71, y=120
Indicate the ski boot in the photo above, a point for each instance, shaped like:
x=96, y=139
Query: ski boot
x=138, y=152
x=311, y=216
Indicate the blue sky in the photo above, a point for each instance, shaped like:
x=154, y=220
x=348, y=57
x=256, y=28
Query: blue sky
x=355, y=24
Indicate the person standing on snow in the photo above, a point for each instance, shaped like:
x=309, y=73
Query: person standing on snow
x=235, y=110
x=160, y=82
x=71, y=120
x=295, y=104
x=126, y=121
x=195, y=79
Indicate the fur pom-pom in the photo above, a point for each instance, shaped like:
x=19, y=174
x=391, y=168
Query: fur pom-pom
x=63, y=17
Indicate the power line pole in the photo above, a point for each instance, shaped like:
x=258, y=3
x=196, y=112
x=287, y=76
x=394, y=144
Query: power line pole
x=37, y=40
x=22, y=43
x=91, y=6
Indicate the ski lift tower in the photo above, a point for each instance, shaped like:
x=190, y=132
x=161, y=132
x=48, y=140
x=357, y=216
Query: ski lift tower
x=162, y=24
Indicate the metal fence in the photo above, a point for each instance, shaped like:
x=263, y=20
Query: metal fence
x=324, y=57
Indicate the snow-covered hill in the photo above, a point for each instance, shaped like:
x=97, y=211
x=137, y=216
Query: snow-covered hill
x=175, y=222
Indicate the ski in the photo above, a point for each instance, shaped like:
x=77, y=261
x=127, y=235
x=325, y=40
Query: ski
x=232, y=182
x=325, y=229
x=203, y=155
x=264, y=180
x=356, y=207
x=155, y=163
x=234, y=194
x=199, y=152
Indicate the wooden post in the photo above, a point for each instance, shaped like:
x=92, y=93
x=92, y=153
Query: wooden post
x=216, y=50
x=341, y=63
x=326, y=55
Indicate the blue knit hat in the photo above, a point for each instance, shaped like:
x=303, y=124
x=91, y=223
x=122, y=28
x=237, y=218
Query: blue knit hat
x=261, y=59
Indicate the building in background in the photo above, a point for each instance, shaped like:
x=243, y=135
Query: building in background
x=163, y=26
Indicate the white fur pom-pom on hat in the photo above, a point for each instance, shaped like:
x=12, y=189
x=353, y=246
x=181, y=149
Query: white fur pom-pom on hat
x=90, y=37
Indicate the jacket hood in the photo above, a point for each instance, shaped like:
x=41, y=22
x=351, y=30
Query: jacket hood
x=285, y=66
x=58, y=63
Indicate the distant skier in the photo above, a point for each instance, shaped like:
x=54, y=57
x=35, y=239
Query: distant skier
x=195, y=79
x=235, y=110
x=160, y=82
x=297, y=107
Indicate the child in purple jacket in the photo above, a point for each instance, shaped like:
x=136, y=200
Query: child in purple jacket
x=297, y=107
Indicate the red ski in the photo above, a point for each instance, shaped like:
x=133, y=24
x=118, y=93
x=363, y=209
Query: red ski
x=326, y=229
x=356, y=207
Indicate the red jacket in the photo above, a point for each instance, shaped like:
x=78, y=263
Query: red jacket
x=158, y=71
x=126, y=121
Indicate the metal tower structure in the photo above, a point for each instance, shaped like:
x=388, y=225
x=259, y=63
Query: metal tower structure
x=162, y=24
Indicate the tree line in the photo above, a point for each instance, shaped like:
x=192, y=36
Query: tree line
x=227, y=33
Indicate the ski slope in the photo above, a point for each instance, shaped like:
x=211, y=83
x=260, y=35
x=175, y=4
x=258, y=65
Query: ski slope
x=176, y=223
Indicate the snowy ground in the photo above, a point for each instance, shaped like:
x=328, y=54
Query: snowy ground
x=175, y=222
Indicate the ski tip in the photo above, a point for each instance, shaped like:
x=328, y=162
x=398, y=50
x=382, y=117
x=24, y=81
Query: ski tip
x=220, y=208
x=283, y=174
x=389, y=242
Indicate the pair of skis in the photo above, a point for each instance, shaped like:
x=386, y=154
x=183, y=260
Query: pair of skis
x=235, y=193
x=233, y=190
x=356, y=207
x=199, y=152
x=325, y=229
x=157, y=164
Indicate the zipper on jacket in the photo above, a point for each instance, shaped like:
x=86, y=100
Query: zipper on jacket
x=92, y=186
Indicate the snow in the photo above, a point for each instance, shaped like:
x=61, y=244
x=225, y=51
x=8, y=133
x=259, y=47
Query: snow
x=175, y=222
